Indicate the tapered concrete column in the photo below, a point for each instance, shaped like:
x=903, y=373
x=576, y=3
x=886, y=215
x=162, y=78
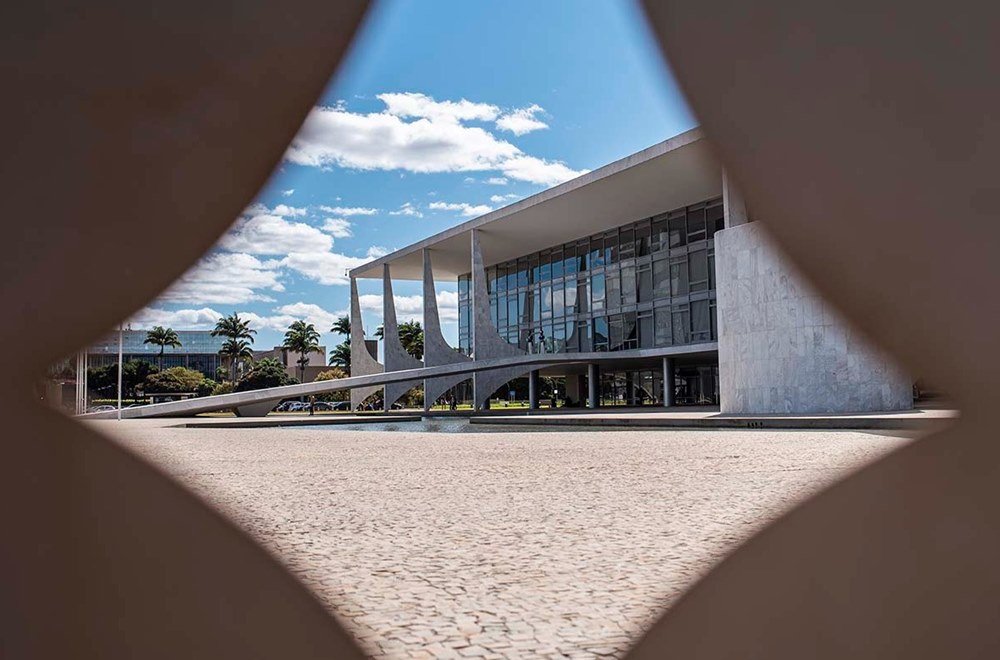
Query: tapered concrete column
x=486, y=342
x=533, y=389
x=734, y=209
x=395, y=356
x=362, y=363
x=668, y=382
x=593, y=385
x=437, y=351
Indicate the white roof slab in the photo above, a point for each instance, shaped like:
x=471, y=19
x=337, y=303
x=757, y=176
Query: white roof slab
x=674, y=173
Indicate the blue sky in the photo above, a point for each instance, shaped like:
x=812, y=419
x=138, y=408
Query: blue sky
x=442, y=111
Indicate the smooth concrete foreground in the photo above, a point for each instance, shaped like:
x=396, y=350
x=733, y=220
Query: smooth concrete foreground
x=501, y=544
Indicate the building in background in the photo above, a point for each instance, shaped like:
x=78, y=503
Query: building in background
x=316, y=364
x=643, y=282
x=199, y=350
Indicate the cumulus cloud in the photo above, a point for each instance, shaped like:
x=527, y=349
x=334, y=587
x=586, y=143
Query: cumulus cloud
x=466, y=209
x=272, y=234
x=497, y=181
x=522, y=120
x=324, y=267
x=288, y=193
x=376, y=251
x=500, y=199
x=407, y=209
x=416, y=133
x=348, y=210
x=285, y=315
x=179, y=319
x=338, y=227
x=226, y=278
x=412, y=104
x=411, y=308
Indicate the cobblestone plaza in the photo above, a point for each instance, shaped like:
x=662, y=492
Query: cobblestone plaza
x=529, y=544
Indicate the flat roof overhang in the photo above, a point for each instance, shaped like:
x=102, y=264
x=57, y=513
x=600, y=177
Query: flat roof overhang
x=674, y=173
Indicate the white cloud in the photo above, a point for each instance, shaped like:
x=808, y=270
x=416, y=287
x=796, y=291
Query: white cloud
x=288, y=193
x=411, y=104
x=376, y=251
x=497, y=181
x=538, y=170
x=522, y=120
x=435, y=140
x=285, y=315
x=178, y=319
x=466, y=209
x=226, y=278
x=281, y=210
x=348, y=210
x=324, y=267
x=272, y=234
x=411, y=308
x=500, y=199
x=338, y=227
x=407, y=209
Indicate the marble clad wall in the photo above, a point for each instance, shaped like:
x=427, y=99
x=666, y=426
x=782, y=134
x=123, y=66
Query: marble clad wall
x=782, y=349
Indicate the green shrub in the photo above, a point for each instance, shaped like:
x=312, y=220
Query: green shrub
x=174, y=380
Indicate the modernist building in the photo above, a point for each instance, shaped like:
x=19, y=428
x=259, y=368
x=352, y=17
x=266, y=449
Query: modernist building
x=642, y=282
x=199, y=350
x=315, y=364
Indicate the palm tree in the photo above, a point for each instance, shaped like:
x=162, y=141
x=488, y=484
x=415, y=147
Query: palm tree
x=162, y=337
x=342, y=326
x=236, y=351
x=302, y=338
x=235, y=329
x=340, y=356
x=411, y=336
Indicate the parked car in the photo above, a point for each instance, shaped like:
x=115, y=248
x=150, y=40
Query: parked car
x=340, y=405
x=104, y=408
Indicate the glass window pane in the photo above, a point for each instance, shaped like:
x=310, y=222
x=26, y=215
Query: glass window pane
x=557, y=264
x=613, y=295
x=585, y=336
x=522, y=272
x=630, y=339
x=661, y=279
x=546, y=301
x=701, y=322
x=601, y=333
x=678, y=229
x=714, y=220
x=681, y=325
x=626, y=242
x=512, y=315
x=570, y=296
x=660, y=239
x=646, y=337
x=662, y=318
x=597, y=292
x=642, y=233
x=698, y=267
x=645, y=284
x=628, y=285
x=615, y=333
x=583, y=296
x=696, y=225
x=596, y=253
x=678, y=277
x=558, y=302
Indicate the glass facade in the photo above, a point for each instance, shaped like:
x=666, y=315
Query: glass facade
x=645, y=284
x=199, y=350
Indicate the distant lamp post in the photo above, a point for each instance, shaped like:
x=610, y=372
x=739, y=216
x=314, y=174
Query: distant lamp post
x=120, y=369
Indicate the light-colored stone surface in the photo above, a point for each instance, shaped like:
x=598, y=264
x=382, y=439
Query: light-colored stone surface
x=782, y=348
x=512, y=544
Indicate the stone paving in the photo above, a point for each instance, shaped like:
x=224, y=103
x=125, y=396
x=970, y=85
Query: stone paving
x=512, y=544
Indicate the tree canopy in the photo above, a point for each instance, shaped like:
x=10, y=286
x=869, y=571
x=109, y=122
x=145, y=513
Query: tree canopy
x=174, y=380
x=265, y=373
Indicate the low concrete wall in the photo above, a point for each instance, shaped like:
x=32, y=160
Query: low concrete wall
x=783, y=349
